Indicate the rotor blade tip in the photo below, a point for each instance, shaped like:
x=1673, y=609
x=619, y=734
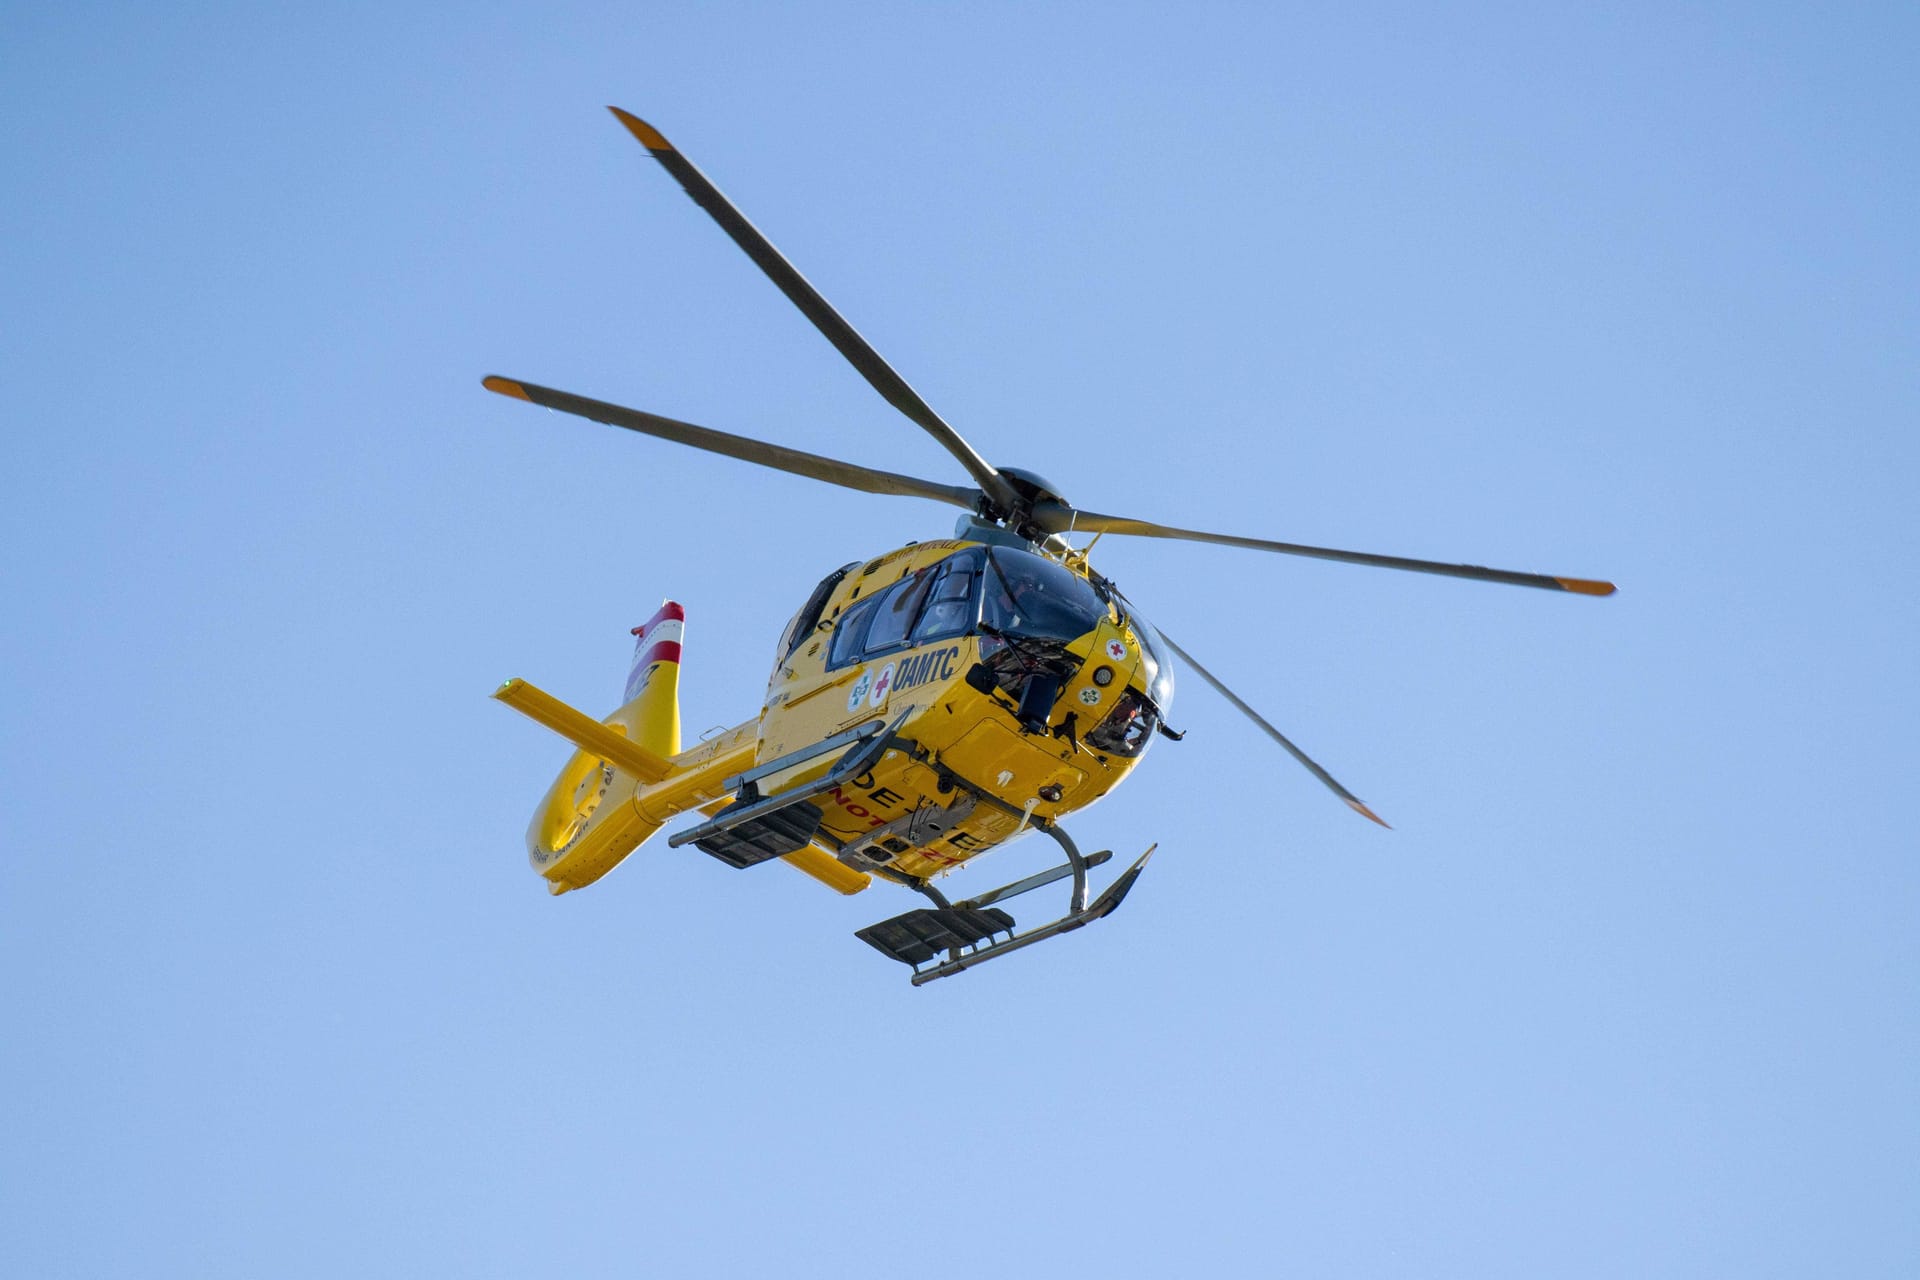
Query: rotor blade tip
x=649, y=137
x=1368, y=814
x=505, y=387
x=1586, y=587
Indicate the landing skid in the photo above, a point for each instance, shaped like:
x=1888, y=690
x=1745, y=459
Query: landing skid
x=758, y=828
x=970, y=931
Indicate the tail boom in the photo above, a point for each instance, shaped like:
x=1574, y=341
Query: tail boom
x=614, y=794
x=629, y=777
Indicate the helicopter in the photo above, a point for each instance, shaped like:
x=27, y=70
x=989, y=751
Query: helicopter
x=925, y=706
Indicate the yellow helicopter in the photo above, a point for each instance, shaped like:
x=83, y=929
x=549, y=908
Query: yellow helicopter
x=925, y=705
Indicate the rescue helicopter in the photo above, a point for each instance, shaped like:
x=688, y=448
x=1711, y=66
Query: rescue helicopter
x=925, y=705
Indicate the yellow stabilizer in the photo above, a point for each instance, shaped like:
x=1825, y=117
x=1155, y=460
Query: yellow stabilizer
x=587, y=822
x=582, y=730
x=828, y=870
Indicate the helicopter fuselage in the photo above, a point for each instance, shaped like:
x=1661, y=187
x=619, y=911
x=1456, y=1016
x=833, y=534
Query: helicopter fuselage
x=1025, y=690
x=927, y=705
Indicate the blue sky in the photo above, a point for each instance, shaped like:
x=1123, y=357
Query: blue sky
x=1621, y=292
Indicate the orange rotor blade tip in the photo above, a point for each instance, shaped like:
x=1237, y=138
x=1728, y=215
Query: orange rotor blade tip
x=649, y=137
x=1369, y=814
x=505, y=387
x=1586, y=586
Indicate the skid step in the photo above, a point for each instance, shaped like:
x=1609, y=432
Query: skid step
x=756, y=828
x=919, y=936
x=773, y=834
x=969, y=933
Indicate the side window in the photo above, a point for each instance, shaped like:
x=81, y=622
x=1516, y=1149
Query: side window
x=895, y=614
x=850, y=631
x=952, y=606
x=940, y=601
x=809, y=616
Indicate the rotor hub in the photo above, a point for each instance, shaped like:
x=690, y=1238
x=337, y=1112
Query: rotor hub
x=1032, y=491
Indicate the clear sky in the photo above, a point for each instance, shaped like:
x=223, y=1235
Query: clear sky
x=1622, y=292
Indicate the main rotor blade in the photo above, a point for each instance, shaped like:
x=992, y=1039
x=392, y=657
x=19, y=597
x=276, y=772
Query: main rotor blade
x=858, y=352
x=1057, y=517
x=1313, y=767
x=811, y=465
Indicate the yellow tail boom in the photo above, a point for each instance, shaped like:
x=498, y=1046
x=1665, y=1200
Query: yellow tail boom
x=629, y=776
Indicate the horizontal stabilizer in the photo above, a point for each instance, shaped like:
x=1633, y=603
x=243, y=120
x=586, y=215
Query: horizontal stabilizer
x=583, y=731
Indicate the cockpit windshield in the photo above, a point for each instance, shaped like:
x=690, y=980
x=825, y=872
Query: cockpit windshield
x=1031, y=596
x=1157, y=661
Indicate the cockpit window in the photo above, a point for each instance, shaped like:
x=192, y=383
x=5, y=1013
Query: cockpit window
x=894, y=616
x=953, y=602
x=850, y=632
x=937, y=603
x=1127, y=729
x=1157, y=662
x=1030, y=595
x=808, y=618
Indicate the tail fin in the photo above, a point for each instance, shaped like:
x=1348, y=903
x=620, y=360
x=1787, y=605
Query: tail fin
x=587, y=824
x=651, y=710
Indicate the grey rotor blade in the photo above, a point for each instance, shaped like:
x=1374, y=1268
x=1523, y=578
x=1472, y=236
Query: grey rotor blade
x=811, y=465
x=858, y=352
x=1056, y=517
x=1328, y=780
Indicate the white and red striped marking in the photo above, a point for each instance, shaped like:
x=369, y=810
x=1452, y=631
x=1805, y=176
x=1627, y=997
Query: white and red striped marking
x=656, y=640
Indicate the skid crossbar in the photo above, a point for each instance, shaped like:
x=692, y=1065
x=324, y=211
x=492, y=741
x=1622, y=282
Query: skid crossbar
x=962, y=959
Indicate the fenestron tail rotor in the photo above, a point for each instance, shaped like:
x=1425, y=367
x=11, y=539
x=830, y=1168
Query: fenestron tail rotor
x=857, y=350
